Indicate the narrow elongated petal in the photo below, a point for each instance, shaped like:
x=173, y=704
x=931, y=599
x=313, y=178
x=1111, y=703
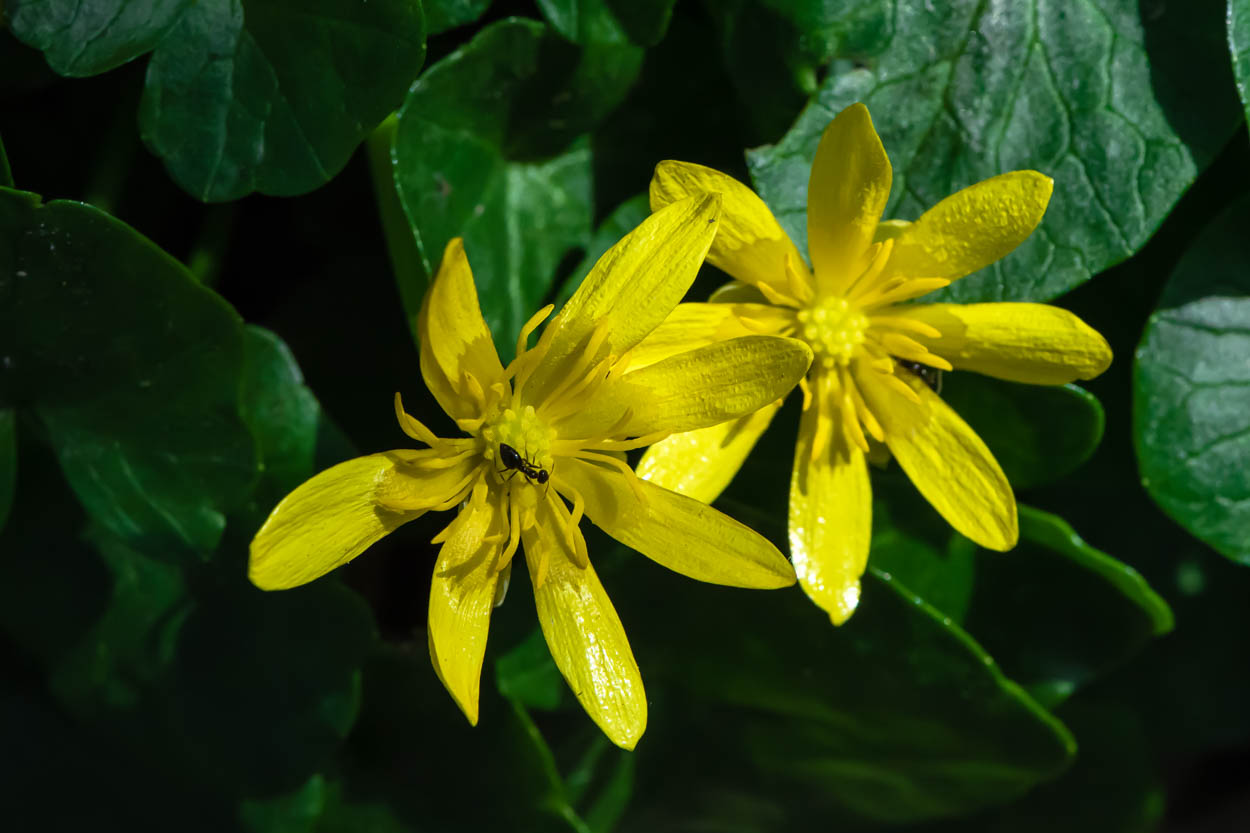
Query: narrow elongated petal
x=695, y=389
x=700, y=464
x=1034, y=343
x=697, y=325
x=971, y=228
x=676, y=531
x=846, y=193
x=326, y=522
x=947, y=462
x=586, y=638
x=425, y=480
x=631, y=289
x=462, y=595
x=830, y=519
x=454, y=337
x=750, y=244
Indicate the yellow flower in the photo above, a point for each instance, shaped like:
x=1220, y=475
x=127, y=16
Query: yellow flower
x=875, y=356
x=554, y=424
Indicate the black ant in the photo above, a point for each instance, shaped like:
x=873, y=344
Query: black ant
x=512, y=459
x=931, y=376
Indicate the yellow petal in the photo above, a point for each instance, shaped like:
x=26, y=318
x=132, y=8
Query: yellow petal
x=698, y=325
x=462, y=595
x=750, y=244
x=971, y=228
x=425, y=479
x=700, y=464
x=631, y=289
x=676, y=531
x=585, y=637
x=946, y=460
x=454, y=337
x=830, y=519
x=695, y=389
x=326, y=522
x=1034, y=343
x=846, y=193
x=736, y=292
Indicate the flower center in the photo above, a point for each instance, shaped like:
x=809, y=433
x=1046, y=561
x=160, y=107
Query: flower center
x=833, y=328
x=519, y=445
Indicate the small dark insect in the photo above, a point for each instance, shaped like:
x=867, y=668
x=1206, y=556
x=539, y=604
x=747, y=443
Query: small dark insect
x=931, y=376
x=512, y=459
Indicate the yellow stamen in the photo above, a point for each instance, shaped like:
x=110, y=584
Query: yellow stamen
x=412, y=426
x=632, y=479
x=514, y=536
x=878, y=254
x=903, y=291
x=902, y=322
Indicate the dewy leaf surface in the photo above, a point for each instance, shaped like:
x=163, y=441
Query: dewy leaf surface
x=243, y=95
x=1239, y=47
x=131, y=366
x=487, y=149
x=1122, y=114
x=1191, y=389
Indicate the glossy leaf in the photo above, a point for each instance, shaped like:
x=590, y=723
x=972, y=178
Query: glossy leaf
x=441, y=15
x=528, y=676
x=1239, y=47
x=243, y=95
x=8, y=461
x=1056, y=613
x=897, y=715
x=6, y=175
x=609, y=21
x=131, y=366
x=487, y=150
x=1037, y=433
x=1087, y=94
x=1191, y=390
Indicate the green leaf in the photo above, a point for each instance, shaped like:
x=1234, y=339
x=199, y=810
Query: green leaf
x=529, y=677
x=441, y=15
x=131, y=366
x=1191, y=390
x=487, y=150
x=1056, y=613
x=1239, y=46
x=897, y=715
x=609, y=21
x=8, y=461
x=130, y=647
x=912, y=543
x=243, y=95
x=6, y=175
x=294, y=812
x=623, y=219
x=1123, y=115
x=1037, y=433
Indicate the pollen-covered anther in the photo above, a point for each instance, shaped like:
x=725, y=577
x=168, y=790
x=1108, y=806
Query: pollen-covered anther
x=833, y=328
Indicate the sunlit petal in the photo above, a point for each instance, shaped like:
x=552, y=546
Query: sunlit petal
x=700, y=464
x=676, y=531
x=631, y=289
x=947, y=462
x=462, y=595
x=1034, y=343
x=750, y=244
x=586, y=638
x=971, y=228
x=326, y=522
x=698, y=325
x=696, y=389
x=846, y=193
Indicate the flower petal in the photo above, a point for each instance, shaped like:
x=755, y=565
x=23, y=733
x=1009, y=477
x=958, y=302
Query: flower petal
x=750, y=244
x=830, y=519
x=676, y=531
x=630, y=290
x=971, y=228
x=1034, y=343
x=737, y=292
x=846, y=193
x=698, y=325
x=454, y=337
x=424, y=479
x=585, y=636
x=695, y=389
x=326, y=522
x=700, y=464
x=462, y=595
x=946, y=460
